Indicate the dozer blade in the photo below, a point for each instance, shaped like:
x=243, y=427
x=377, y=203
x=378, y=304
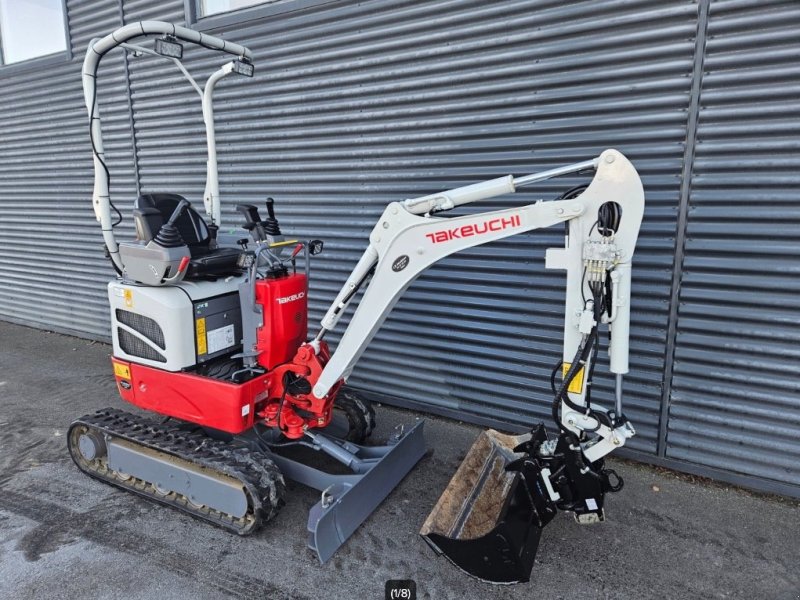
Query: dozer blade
x=347, y=500
x=489, y=520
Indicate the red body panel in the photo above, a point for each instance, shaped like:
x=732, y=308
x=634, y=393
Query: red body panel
x=203, y=400
x=285, y=309
x=235, y=407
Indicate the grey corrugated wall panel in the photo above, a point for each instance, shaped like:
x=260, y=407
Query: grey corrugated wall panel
x=358, y=104
x=735, y=401
x=52, y=273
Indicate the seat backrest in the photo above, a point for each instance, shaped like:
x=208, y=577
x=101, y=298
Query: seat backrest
x=150, y=211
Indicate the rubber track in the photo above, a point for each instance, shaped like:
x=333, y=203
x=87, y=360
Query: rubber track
x=260, y=477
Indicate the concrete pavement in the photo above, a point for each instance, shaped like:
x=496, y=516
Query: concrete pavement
x=63, y=535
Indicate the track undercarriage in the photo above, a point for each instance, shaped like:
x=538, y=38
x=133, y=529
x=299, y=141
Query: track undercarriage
x=237, y=482
x=223, y=483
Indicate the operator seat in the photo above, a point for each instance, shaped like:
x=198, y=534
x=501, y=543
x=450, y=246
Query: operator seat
x=151, y=211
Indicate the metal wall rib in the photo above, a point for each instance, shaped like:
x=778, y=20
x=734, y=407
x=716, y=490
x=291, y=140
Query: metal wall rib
x=358, y=104
x=52, y=270
x=735, y=401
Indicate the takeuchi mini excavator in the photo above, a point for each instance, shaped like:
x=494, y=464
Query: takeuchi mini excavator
x=209, y=329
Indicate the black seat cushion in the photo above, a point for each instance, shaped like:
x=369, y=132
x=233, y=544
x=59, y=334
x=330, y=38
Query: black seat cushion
x=152, y=210
x=217, y=262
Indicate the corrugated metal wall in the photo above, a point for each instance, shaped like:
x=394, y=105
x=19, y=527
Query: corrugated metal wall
x=393, y=100
x=52, y=270
x=356, y=104
x=735, y=402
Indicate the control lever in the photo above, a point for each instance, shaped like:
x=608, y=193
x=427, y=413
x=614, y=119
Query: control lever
x=250, y=213
x=253, y=222
x=179, y=210
x=312, y=247
x=271, y=226
x=293, y=256
x=168, y=235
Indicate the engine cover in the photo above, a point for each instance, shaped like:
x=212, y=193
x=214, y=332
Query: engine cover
x=175, y=327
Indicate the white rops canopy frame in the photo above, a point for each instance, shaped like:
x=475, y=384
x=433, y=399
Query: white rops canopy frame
x=98, y=48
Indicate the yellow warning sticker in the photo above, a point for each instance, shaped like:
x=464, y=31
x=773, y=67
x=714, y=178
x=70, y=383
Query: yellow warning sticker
x=200, y=328
x=576, y=385
x=128, y=297
x=122, y=371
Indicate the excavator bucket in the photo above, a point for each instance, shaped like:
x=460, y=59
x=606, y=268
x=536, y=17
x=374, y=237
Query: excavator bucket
x=490, y=517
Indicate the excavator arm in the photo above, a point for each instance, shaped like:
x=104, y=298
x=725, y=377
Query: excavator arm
x=489, y=519
x=408, y=239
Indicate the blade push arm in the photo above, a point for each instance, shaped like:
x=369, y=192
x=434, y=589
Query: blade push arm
x=403, y=244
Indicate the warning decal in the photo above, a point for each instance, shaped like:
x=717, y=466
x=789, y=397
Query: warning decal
x=122, y=371
x=200, y=329
x=576, y=385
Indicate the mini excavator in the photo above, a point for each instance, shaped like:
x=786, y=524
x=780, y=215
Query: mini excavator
x=210, y=336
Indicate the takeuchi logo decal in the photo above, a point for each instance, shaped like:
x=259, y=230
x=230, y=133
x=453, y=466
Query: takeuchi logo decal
x=292, y=298
x=465, y=231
